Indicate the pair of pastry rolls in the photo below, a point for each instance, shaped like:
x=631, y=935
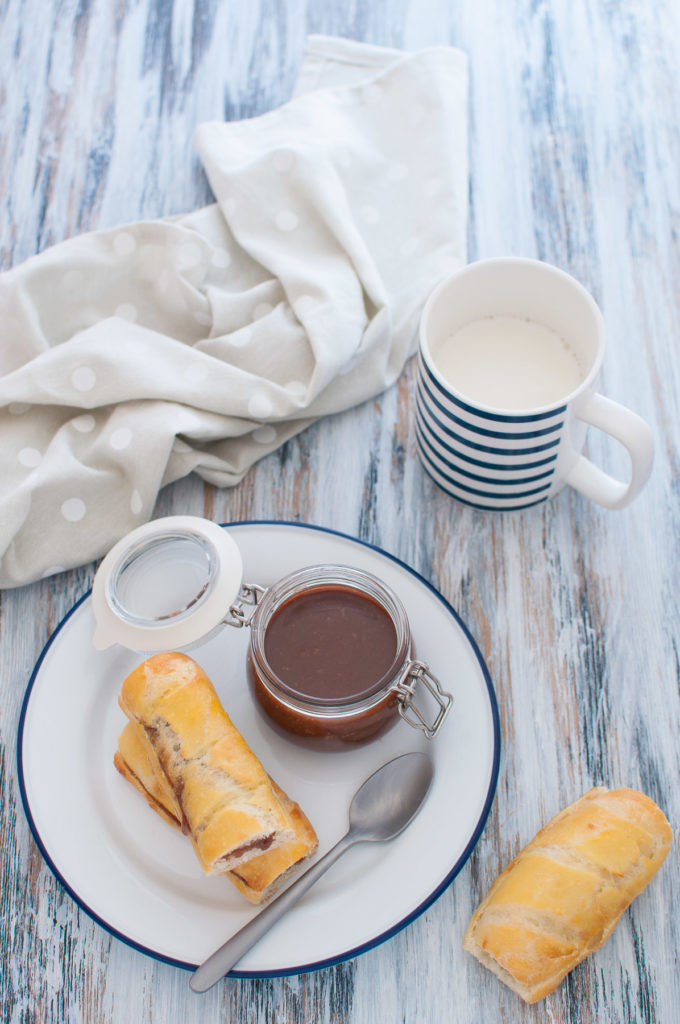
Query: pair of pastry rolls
x=181, y=750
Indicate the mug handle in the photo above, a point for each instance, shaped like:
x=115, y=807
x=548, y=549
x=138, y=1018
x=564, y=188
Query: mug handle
x=633, y=433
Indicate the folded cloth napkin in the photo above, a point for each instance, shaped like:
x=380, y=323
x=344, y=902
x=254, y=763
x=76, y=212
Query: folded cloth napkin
x=131, y=357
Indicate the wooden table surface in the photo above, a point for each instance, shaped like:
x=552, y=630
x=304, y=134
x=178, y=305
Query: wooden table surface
x=574, y=158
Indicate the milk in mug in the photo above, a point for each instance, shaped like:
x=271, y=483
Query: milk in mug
x=509, y=362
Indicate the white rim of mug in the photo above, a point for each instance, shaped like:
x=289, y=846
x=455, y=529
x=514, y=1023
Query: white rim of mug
x=543, y=267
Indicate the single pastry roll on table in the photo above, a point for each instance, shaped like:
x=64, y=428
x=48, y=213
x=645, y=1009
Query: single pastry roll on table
x=183, y=753
x=563, y=894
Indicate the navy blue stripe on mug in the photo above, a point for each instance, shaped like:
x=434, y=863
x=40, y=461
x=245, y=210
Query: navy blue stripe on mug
x=503, y=497
x=500, y=506
x=461, y=439
x=512, y=481
x=497, y=417
x=423, y=416
x=511, y=434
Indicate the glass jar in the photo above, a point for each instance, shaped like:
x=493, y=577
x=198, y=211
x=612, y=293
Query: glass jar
x=172, y=583
x=362, y=676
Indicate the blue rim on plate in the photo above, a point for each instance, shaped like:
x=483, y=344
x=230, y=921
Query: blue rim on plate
x=346, y=954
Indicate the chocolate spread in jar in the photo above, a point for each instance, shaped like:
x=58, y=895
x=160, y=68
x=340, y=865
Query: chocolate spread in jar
x=330, y=643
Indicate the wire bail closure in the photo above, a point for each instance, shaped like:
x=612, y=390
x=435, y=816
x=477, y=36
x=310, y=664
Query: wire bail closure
x=242, y=611
x=418, y=672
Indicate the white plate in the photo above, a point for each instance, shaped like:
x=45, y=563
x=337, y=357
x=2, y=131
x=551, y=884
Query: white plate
x=139, y=878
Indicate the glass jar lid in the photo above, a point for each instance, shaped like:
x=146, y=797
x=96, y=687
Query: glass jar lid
x=166, y=585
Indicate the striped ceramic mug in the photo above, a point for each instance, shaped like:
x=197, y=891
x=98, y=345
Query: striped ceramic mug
x=509, y=353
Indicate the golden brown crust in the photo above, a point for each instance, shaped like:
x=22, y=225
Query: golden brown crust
x=563, y=894
x=262, y=876
x=129, y=773
x=136, y=761
x=258, y=878
x=229, y=808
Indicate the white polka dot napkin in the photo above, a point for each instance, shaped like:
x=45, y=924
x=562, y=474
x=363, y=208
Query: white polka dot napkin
x=131, y=357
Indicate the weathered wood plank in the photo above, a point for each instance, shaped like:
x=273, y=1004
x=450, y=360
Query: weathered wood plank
x=574, y=154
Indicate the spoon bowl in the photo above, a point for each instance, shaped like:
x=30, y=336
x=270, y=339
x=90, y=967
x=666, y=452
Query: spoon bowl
x=390, y=798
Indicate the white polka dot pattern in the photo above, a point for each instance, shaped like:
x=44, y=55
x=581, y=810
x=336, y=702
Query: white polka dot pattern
x=84, y=379
x=260, y=406
x=286, y=220
x=84, y=424
x=126, y=311
x=30, y=457
x=304, y=306
x=73, y=510
x=296, y=389
x=291, y=296
x=120, y=438
x=264, y=435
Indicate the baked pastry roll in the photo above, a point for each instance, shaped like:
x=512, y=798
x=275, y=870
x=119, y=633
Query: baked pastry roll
x=262, y=876
x=257, y=879
x=136, y=762
x=227, y=803
x=563, y=894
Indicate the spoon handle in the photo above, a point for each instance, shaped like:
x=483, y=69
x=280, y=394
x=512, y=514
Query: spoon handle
x=223, y=959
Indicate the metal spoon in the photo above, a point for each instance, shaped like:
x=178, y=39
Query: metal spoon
x=381, y=808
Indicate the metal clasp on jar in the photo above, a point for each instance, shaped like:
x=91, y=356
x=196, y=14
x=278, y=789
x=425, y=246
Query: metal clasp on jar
x=242, y=611
x=405, y=688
